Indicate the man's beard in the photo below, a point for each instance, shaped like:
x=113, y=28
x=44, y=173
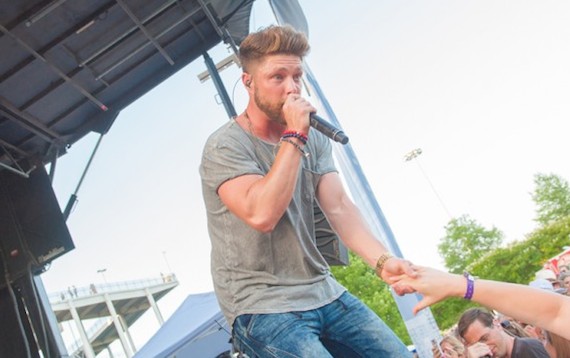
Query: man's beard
x=273, y=110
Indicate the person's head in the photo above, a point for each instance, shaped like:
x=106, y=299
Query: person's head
x=272, y=66
x=549, y=275
x=564, y=278
x=452, y=347
x=542, y=284
x=478, y=325
x=556, y=346
x=547, y=285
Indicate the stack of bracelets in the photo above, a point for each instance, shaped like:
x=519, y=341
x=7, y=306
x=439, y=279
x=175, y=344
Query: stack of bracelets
x=300, y=136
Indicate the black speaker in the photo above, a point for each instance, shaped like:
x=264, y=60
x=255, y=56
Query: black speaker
x=32, y=228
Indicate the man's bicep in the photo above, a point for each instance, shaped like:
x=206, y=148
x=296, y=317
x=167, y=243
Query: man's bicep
x=331, y=194
x=234, y=193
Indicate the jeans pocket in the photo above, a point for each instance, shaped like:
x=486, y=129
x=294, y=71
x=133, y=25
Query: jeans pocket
x=348, y=301
x=268, y=327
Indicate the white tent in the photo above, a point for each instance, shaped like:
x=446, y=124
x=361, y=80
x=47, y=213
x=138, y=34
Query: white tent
x=197, y=329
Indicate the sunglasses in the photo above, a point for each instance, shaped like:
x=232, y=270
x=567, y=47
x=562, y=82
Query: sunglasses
x=506, y=324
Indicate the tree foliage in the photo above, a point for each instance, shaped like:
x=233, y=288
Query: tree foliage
x=519, y=261
x=552, y=198
x=447, y=313
x=465, y=242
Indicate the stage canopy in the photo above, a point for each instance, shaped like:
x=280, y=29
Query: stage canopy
x=69, y=67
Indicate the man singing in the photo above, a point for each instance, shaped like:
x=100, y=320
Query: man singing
x=261, y=173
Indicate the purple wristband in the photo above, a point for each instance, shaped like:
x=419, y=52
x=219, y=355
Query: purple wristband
x=470, y=285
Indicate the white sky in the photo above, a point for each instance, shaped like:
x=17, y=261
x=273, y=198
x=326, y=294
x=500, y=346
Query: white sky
x=482, y=87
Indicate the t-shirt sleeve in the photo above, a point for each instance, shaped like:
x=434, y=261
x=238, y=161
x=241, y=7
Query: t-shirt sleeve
x=324, y=162
x=223, y=161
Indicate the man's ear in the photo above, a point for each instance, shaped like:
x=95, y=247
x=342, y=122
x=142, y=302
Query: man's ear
x=246, y=79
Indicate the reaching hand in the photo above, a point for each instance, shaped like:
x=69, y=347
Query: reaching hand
x=433, y=284
x=395, y=268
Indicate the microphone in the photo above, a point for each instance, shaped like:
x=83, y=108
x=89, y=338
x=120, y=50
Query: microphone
x=328, y=129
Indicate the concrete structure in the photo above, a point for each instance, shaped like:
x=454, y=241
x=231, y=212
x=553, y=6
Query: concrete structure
x=112, y=309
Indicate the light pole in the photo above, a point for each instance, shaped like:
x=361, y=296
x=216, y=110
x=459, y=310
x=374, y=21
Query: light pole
x=166, y=261
x=413, y=155
x=102, y=272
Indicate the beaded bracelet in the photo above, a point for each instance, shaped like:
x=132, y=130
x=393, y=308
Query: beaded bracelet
x=302, y=137
x=303, y=153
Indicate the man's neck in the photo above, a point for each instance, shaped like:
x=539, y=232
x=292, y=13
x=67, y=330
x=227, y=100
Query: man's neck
x=259, y=125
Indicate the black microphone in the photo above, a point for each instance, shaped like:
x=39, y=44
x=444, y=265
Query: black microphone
x=328, y=129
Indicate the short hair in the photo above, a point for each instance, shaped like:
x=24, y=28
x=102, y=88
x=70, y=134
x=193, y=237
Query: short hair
x=563, y=275
x=272, y=40
x=472, y=315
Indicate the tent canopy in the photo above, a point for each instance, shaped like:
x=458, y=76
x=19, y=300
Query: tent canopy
x=196, y=329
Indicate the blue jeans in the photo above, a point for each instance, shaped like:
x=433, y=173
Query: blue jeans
x=343, y=328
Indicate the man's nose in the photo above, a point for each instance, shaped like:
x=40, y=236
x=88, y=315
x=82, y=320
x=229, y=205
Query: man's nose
x=293, y=86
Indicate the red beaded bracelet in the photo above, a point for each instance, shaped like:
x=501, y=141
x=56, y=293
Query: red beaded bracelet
x=301, y=136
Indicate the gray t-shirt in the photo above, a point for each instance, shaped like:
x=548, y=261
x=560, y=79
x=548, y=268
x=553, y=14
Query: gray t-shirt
x=255, y=272
x=528, y=348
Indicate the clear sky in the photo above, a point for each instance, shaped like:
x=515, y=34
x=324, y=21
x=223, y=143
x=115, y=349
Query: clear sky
x=482, y=87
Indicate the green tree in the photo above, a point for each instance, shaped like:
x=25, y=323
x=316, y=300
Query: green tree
x=519, y=261
x=447, y=313
x=465, y=242
x=552, y=198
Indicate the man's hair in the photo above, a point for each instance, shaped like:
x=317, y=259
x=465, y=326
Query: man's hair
x=472, y=315
x=272, y=40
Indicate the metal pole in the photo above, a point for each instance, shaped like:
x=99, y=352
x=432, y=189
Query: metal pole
x=413, y=155
x=73, y=198
x=230, y=110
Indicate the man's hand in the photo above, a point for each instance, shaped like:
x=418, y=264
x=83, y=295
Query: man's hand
x=296, y=112
x=393, y=269
x=479, y=350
